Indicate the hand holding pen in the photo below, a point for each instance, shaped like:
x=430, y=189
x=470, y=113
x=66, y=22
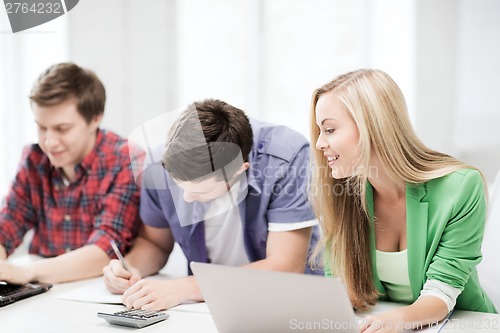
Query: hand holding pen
x=118, y=254
x=118, y=275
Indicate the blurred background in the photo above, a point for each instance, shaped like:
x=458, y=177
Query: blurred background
x=266, y=57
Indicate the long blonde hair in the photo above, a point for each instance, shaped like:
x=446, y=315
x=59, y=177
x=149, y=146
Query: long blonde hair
x=378, y=108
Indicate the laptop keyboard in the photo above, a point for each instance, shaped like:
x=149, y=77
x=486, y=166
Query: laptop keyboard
x=10, y=293
x=9, y=289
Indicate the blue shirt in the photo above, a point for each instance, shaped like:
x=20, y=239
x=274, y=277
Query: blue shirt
x=276, y=193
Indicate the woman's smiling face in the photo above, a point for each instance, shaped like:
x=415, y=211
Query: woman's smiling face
x=338, y=135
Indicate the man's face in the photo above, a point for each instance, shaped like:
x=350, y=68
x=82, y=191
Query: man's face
x=203, y=191
x=64, y=135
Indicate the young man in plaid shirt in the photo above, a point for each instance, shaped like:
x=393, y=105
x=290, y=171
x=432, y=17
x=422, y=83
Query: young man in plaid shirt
x=75, y=188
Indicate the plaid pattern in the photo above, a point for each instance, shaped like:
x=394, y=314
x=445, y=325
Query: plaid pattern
x=99, y=205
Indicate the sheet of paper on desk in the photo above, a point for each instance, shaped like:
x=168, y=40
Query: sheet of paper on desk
x=93, y=292
x=192, y=307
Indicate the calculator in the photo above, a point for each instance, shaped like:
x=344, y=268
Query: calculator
x=133, y=317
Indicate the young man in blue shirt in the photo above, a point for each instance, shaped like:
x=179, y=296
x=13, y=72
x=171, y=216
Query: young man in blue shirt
x=235, y=193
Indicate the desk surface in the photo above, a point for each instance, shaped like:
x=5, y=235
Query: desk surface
x=49, y=313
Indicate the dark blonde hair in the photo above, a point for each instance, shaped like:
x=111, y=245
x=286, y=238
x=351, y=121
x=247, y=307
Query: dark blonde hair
x=378, y=108
x=63, y=81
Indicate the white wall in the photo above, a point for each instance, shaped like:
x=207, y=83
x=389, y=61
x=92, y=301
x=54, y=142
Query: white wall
x=266, y=57
x=478, y=83
x=132, y=48
x=437, y=38
x=23, y=56
x=458, y=76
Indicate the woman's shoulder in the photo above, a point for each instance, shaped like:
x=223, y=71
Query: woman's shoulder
x=466, y=182
x=456, y=178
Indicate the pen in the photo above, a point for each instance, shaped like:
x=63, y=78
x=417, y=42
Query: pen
x=118, y=254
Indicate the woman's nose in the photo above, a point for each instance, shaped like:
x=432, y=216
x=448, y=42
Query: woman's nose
x=321, y=144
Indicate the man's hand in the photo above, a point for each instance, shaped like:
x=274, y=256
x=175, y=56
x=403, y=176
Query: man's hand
x=160, y=294
x=14, y=273
x=117, y=278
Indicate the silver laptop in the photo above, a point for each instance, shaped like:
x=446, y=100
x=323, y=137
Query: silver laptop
x=251, y=300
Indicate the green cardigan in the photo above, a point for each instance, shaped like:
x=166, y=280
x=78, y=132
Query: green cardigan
x=445, y=219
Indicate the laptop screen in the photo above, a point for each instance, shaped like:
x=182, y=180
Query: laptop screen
x=251, y=300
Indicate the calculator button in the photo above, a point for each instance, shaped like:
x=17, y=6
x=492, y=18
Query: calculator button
x=134, y=318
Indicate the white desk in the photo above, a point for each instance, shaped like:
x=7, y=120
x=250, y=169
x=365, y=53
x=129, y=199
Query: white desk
x=468, y=321
x=47, y=313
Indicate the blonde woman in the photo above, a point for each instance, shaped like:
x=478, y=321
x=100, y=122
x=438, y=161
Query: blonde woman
x=401, y=222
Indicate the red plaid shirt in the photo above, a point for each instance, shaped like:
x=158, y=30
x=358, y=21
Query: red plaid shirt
x=99, y=205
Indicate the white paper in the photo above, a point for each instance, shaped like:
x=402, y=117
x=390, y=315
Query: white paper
x=192, y=307
x=92, y=292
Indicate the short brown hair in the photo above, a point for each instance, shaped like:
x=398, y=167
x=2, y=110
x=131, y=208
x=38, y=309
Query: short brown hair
x=63, y=81
x=190, y=155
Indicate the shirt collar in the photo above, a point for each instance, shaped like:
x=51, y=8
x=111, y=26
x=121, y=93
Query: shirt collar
x=252, y=183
